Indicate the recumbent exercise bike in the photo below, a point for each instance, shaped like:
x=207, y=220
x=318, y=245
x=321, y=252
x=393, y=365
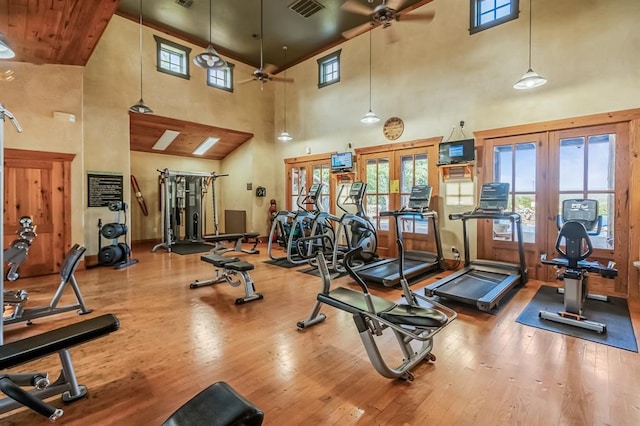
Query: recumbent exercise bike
x=579, y=220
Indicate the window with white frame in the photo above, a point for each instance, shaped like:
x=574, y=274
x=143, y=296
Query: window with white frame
x=329, y=69
x=489, y=13
x=172, y=58
x=221, y=78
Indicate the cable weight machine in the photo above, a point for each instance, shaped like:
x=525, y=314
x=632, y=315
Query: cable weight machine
x=118, y=253
x=183, y=209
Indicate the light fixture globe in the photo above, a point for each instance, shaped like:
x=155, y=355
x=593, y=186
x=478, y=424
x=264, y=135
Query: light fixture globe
x=285, y=136
x=5, y=49
x=140, y=108
x=530, y=80
x=370, y=118
x=209, y=59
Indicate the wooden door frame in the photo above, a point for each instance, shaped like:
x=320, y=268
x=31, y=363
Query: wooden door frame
x=52, y=157
x=632, y=198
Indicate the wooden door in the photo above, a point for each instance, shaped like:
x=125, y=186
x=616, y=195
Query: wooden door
x=37, y=184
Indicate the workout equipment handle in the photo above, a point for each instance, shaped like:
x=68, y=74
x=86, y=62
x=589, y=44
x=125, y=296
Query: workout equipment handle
x=15, y=392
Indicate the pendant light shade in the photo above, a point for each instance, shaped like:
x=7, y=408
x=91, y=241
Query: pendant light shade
x=6, y=52
x=140, y=106
x=530, y=79
x=370, y=117
x=209, y=58
x=285, y=136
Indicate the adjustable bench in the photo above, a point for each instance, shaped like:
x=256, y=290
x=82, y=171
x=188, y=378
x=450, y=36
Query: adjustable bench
x=32, y=348
x=237, y=240
x=230, y=266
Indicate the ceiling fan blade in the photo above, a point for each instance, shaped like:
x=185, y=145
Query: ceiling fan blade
x=248, y=80
x=360, y=29
x=395, y=4
x=354, y=7
x=426, y=16
x=269, y=68
x=282, y=79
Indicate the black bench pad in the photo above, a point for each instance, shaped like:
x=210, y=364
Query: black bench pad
x=217, y=405
x=239, y=266
x=34, y=347
x=218, y=260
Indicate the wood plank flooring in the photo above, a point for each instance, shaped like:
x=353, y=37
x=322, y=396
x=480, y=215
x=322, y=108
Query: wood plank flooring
x=175, y=341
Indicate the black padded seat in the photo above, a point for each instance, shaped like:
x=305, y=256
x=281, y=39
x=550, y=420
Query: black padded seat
x=251, y=234
x=415, y=316
x=239, y=266
x=222, y=237
x=218, y=260
x=217, y=405
x=34, y=347
x=353, y=301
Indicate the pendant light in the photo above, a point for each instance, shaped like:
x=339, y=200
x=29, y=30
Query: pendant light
x=209, y=59
x=370, y=117
x=285, y=136
x=530, y=79
x=140, y=107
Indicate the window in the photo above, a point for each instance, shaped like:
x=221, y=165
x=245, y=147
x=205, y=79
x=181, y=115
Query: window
x=172, y=58
x=489, y=13
x=329, y=69
x=221, y=78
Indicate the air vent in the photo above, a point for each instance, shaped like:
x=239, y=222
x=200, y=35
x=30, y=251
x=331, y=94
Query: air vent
x=186, y=3
x=306, y=8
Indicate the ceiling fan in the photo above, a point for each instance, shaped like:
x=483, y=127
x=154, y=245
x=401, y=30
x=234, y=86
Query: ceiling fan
x=383, y=14
x=264, y=73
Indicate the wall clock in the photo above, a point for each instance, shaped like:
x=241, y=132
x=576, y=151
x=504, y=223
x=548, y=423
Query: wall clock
x=393, y=128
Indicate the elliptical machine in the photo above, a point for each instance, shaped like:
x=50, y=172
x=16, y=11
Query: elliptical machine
x=580, y=217
x=355, y=228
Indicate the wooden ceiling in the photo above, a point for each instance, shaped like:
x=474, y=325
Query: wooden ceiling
x=146, y=129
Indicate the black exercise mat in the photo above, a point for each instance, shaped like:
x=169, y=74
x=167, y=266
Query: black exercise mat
x=316, y=273
x=614, y=313
x=283, y=263
x=190, y=248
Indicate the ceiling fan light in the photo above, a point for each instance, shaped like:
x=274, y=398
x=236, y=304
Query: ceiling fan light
x=285, y=137
x=370, y=118
x=140, y=108
x=6, y=52
x=209, y=59
x=530, y=80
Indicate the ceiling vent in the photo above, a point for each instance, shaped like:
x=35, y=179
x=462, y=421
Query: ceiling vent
x=186, y=3
x=306, y=8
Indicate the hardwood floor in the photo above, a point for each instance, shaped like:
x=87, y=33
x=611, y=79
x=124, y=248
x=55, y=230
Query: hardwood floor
x=175, y=341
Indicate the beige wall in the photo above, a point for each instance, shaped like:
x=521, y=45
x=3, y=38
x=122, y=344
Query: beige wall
x=36, y=93
x=438, y=75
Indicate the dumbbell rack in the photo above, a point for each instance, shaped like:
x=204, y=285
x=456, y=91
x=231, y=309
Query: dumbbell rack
x=117, y=254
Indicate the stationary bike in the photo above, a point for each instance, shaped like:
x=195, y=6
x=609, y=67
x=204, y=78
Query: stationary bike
x=580, y=217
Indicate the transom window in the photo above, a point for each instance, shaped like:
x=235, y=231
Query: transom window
x=329, y=69
x=221, y=78
x=489, y=13
x=172, y=58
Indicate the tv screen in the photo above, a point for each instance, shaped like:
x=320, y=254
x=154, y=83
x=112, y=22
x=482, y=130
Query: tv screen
x=342, y=161
x=453, y=152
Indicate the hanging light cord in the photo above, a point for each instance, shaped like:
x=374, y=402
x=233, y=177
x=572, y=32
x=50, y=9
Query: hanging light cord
x=261, y=35
x=140, y=49
x=530, y=1
x=369, y=70
x=285, y=88
x=210, y=36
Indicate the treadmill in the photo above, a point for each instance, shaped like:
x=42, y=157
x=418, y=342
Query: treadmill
x=484, y=283
x=386, y=272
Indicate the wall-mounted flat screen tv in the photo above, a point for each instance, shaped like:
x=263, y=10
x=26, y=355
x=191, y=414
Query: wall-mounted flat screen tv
x=341, y=161
x=454, y=152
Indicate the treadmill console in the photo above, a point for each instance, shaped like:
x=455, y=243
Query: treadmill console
x=494, y=197
x=420, y=198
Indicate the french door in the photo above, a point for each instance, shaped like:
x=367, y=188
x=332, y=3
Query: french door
x=390, y=172
x=543, y=169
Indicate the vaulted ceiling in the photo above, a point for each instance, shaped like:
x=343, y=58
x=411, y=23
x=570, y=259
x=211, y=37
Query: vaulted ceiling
x=67, y=31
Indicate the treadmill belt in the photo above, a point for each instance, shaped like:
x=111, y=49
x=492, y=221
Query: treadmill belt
x=472, y=285
x=387, y=273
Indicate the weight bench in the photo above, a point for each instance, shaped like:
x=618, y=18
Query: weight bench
x=32, y=348
x=230, y=266
x=235, y=240
x=218, y=405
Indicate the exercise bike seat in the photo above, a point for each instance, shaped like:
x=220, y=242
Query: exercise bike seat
x=414, y=316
